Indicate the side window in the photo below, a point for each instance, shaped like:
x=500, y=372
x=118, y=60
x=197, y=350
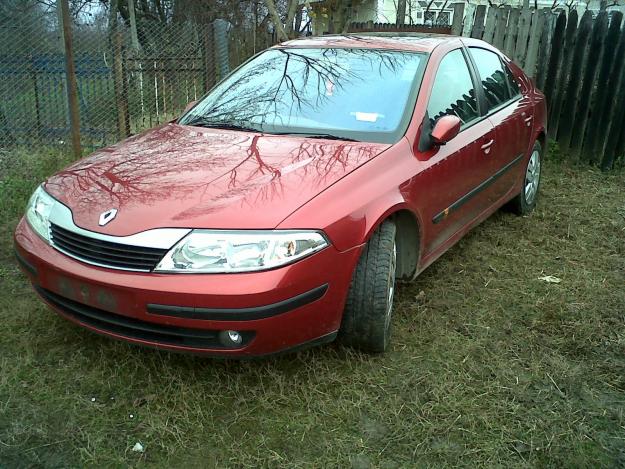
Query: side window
x=494, y=79
x=453, y=91
x=514, y=85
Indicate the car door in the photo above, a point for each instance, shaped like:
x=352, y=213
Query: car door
x=451, y=185
x=510, y=112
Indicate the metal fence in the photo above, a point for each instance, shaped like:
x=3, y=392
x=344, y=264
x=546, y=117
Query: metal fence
x=125, y=80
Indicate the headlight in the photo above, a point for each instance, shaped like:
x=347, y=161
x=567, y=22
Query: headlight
x=210, y=251
x=38, y=211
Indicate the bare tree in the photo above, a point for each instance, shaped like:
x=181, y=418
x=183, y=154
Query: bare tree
x=276, y=20
x=401, y=12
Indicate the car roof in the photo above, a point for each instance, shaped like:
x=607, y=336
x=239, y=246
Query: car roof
x=418, y=42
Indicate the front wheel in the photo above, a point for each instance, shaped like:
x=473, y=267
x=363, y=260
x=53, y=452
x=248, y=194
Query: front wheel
x=366, y=321
x=525, y=201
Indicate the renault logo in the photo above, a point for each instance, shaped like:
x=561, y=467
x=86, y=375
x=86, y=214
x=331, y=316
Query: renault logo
x=107, y=216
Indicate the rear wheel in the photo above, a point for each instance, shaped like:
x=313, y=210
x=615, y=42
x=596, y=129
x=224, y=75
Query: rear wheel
x=366, y=321
x=525, y=201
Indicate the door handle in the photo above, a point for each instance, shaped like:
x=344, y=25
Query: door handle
x=487, y=145
x=528, y=120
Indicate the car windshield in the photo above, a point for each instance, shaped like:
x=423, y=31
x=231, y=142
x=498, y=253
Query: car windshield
x=357, y=94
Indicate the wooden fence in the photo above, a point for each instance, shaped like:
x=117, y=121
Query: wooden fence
x=579, y=63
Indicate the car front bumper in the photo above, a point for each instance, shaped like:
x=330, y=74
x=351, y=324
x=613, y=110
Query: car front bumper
x=274, y=311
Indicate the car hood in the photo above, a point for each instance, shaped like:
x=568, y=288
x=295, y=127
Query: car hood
x=181, y=176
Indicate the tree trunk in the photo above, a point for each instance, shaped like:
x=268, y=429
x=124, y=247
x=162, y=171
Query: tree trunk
x=401, y=12
x=276, y=20
x=293, y=6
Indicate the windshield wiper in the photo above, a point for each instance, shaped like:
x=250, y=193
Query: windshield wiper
x=313, y=135
x=221, y=125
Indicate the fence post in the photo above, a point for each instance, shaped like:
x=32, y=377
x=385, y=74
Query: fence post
x=33, y=74
x=536, y=33
x=565, y=126
x=555, y=109
x=134, y=37
x=601, y=92
x=544, y=52
x=520, y=49
x=456, y=25
x=70, y=77
x=501, y=26
x=511, y=32
x=597, y=41
x=611, y=115
x=557, y=41
x=467, y=25
x=209, y=57
x=121, y=91
x=489, y=26
x=478, y=24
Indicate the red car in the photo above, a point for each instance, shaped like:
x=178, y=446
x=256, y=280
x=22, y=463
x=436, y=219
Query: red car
x=280, y=209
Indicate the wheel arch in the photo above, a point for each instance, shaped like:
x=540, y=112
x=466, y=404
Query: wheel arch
x=408, y=238
x=541, y=137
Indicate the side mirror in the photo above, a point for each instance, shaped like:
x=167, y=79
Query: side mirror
x=445, y=129
x=189, y=106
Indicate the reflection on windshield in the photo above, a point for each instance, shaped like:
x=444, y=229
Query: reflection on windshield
x=361, y=94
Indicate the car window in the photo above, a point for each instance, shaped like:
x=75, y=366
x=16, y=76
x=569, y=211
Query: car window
x=453, y=92
x=514, y=85
x=492, y=75
x=364, y=94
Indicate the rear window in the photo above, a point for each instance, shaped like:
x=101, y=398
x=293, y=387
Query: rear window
x=363, y=94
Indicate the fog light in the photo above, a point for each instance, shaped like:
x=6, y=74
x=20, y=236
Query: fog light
x=230, y=338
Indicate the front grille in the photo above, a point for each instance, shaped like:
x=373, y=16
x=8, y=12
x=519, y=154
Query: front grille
x=135, y=328
x=105, y=253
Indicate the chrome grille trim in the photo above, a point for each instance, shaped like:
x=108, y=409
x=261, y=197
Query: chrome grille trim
x=139, y=252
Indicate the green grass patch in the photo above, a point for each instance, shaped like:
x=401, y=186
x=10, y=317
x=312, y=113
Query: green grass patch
x=489, y=365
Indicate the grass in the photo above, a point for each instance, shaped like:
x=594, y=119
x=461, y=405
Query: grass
x=489, y=365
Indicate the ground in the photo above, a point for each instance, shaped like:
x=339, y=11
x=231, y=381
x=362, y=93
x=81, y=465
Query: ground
x=489, y=366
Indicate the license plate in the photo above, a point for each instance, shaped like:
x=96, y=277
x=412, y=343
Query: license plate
x=91, y=295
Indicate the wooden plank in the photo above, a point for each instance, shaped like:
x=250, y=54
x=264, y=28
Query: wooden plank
x=614, y=143
x=601, y=91
x=597, y=41
x=620, y=148
x=456, y=25
x=500, y=28
x=469, y=11
x=536, y=31
x=565, y=125
x=511, y=32
x=478, y=23
x=544, y=51
x=563, y=74
x=555, y=55
x=611, y=117
x=523, y=36
x=489, y=26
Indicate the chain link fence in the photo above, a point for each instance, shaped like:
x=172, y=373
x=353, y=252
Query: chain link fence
x=128, y=77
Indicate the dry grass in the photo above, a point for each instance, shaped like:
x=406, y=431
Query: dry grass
x=489, y=366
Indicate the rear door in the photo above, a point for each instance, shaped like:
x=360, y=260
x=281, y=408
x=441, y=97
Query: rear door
x=511, y=115
x=453, y=197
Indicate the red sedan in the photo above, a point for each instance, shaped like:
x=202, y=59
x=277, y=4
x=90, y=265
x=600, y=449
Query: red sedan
x=280, y=209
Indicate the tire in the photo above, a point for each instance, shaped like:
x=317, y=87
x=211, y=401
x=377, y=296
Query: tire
x=366, y=321
x=525, y=201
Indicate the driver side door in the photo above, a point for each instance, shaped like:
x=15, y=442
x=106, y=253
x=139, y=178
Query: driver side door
x=450, y=188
